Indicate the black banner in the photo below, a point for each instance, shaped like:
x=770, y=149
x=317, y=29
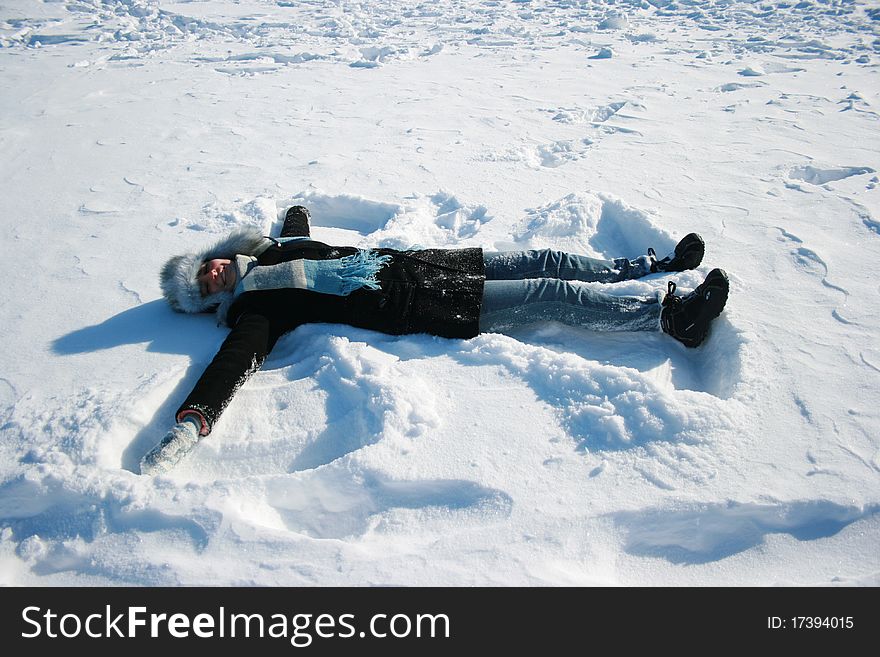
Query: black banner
x=400, y=620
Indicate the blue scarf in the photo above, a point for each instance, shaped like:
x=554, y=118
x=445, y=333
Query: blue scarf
x=339, y=276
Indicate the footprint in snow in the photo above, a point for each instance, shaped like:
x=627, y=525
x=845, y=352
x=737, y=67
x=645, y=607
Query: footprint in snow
x=579, y=115
x=711, y=532
x=339, y=502
x=821, y=176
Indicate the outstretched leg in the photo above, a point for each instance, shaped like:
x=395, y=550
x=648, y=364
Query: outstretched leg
x=508, y=305
x=511, y=304
x=549, y=263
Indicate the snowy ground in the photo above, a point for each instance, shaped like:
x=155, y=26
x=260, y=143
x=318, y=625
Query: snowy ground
x=132, y=130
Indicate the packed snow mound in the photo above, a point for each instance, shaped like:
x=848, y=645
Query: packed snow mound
x=597, y=225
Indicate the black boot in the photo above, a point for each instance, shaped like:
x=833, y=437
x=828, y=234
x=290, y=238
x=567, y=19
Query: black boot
x=687, y=318
x=688, y=254
x=296, y=222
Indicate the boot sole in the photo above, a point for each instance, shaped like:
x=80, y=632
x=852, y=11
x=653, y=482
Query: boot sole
x=297, y=211
x=688, y=254
x=718, y=286
x=691, y=255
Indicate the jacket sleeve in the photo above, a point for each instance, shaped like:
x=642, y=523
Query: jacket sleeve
x=241, y=354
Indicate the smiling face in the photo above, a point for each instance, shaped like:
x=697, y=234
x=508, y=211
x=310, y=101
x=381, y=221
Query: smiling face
x=216, y=275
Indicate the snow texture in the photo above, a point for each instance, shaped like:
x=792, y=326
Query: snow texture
x=133, y=130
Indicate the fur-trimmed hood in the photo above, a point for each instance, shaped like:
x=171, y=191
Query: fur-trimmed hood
x=178, y=276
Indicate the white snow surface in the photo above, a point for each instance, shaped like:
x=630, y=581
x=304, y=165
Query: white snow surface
x=132, y=130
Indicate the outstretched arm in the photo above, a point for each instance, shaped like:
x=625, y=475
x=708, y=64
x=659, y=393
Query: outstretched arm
x=240, y=355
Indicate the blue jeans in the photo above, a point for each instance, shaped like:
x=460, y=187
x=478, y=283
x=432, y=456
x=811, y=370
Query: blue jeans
x=524, y=287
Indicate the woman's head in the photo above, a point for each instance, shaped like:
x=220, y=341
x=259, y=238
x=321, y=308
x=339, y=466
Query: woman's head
x=200, y=282
x=217, y=275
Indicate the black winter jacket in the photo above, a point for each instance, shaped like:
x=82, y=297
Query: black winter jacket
x=434, y=291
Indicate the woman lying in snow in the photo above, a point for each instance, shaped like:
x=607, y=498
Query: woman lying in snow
x=263, y=287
